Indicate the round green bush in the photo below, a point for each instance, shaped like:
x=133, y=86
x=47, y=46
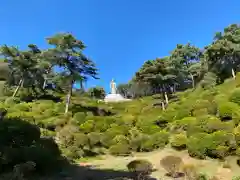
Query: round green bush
x=179, y=141
x=159, y=139
x=147, y=126
x=221, y=151
x=229, y=111
x=146, y=143
x=107, y=138
x=236, y=133
x=121, y=139
x=136, y=140
x=87, y=126
x=22, y=107
x=235, y=96
x=204, y=106
x=197, y=145
x=79, y=117
x=120, y=149
x=181, y=125
x=140, y=165
x=73, y=152
x=94, y=138
x=238, y=151
x=80, y=140
x=66, y=135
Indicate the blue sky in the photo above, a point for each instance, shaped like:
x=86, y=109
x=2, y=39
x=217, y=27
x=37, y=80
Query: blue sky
x=120, y=34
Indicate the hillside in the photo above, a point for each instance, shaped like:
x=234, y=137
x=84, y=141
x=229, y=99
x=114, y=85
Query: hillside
x=202, y=121
x=186, y=103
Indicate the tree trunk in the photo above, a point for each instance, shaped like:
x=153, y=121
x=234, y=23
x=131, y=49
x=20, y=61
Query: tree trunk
x=233, y=73
x=163, y=106
x=68, y=97
x=81, y=85
x=166, y=97
x=17, y=88
x=44, y=83
x=193, y=82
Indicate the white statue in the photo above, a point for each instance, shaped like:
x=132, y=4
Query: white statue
x=113, y=87
x=113, y=96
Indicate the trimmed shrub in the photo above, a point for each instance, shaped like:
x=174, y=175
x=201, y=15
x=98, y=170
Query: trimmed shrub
x=129, y=120
x=221, y=151
x=179, y=141
x=137, y=141
x=236, y=132
x=202, y=107
x=202, y=177
x=79, y=118
x=120, y=149
x=147, y=126
x=73, y=152
x=94, y=138
x=190, y=171
x=140, y=166
x=146, y=143
x=160, y=139
x=102, y=124
x=80, y=140
x=209, y=80
x=87, y=126
x=229, y=111
x=66, y=135
x=121, y=139
x=183, y=124
x=183, y=112
x=236, y=178
x=209, y=124
x=238, y=152
x=107, y=138
x=235, y=96
x=197, y=145
x=22, y=107
x=172, y=165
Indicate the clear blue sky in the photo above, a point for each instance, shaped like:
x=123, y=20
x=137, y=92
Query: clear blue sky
x=120, y=34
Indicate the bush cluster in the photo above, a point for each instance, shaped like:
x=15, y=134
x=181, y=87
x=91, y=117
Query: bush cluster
x=24, y=150
x=204, y=122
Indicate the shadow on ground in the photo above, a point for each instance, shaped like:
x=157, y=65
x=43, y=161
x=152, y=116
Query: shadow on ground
x=76, y=172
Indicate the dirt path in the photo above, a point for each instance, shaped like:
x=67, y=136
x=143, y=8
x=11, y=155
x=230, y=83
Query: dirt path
x=210, y=166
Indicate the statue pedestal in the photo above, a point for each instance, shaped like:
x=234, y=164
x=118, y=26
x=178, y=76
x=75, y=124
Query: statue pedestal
x=115, y=98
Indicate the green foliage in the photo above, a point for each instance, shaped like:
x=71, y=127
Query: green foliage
x=96, y=92
x=79, y=118
x=203, y=119
x=216, y=144
x=21, y=143
x=179, y=141
x=209, y=80
x=140, y=166
x=235, y=96
x=229, y=111
x=120, y=149
x=196, y=145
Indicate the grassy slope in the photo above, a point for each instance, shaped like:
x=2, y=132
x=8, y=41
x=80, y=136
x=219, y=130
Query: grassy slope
x=50, y=114
x=219, y=94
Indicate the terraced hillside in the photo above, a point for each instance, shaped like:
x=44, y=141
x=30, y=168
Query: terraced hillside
x=203, y=121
